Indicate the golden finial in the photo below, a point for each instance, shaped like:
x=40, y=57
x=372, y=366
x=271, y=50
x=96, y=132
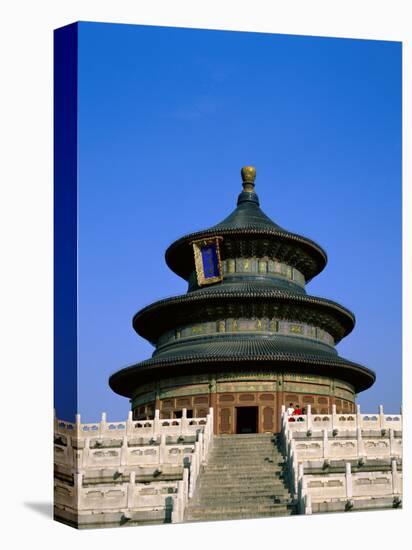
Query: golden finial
x=248, y=178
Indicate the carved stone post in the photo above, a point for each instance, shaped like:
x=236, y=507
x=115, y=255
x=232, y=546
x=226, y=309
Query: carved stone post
x=131, y=490
x=201, y=447
x=381, y=418
x=123, y=452
x=192, y=479
x=334, y=417
x=78, y=484
x=162, y=449
x=183, y=422
x=156, y=423
x=358, y=417
x=176, y=509
x=391, y=442
x=308, y=505
x=348, y=478
x=103, y=424
x=325, y=444
x=129, y=423
x=361, y=448
x=395, y=478
x=86, y=452
x=186, y=484
x=78, y=426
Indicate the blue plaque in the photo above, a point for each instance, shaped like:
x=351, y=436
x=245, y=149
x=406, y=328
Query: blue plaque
x=207, y=261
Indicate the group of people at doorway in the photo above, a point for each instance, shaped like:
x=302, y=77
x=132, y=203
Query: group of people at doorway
x=295, y=410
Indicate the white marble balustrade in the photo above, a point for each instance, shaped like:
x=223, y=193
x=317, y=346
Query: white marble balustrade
x=88, y=450
x=311, y=443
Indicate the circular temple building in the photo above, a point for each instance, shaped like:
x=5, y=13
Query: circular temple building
x=246, y=338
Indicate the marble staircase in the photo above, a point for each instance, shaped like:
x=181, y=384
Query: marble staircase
x=243, y=478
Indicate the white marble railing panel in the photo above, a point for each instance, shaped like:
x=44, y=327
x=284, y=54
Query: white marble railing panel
x=377, y=448
x=310, y=443
x=157, y=426
x=102, y=498
x=65, y=428
x=107, y=446
x=101, y=458
x=153, y=495
x=116, y=457
x=372, y=484
x=342, y=449
x=309, y=449
x=142, y=456
x=334, y=421
x=346, y=448
x=325, y=487
x=393, y=421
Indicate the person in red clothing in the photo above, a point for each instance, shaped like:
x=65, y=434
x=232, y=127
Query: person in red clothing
x=297, y=411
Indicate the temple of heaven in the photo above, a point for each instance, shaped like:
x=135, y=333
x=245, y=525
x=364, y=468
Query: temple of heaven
x=246, y=338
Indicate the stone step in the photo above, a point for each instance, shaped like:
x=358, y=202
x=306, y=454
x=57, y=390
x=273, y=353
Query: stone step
x=239, y=480
x=235, y=457
x=239, y=483
x=245, y=445
x=262, y=453
x=262, y=460
x=272, y=496
x=249, y=444
x=272, y=489
x=242, y=477
x=246, y=460
x=228, y=516
x=245, y=449
x=255, y=452
x=242, y=507
x=232, y=512
x=229, y=500
x=242, y=490
x=244, y=437
x=245, y=442
x=250, y=457
x=241, y=474
x=230, y=493
x=263, y=465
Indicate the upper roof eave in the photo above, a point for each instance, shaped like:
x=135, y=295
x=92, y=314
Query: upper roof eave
x=181, y=247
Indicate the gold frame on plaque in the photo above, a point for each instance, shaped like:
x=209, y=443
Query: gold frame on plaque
x=197, y=245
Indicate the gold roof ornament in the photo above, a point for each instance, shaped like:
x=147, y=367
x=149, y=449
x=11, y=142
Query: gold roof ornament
x=248, y=178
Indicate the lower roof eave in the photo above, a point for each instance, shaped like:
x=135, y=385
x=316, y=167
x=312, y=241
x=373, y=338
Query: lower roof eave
x=125, y=381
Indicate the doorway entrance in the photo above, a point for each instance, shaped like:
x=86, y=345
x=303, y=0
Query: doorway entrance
x=246, y=420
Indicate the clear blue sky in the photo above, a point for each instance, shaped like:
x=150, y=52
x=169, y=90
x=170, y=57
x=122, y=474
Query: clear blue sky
x=167, y=117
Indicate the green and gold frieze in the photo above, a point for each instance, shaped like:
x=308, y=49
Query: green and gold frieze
x=269, y=267
x=306, y=388
x=183, y=391
x=224, y=387
x=236, y=326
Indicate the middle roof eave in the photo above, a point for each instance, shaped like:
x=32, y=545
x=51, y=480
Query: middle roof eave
x=172, y=312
